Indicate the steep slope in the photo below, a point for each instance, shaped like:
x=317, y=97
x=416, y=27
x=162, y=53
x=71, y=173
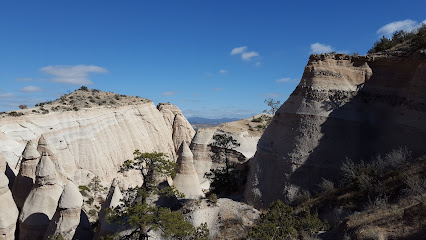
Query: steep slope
x=344, y=106
x=90, y=141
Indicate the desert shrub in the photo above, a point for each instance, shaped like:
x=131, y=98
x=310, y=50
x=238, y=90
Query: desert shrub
x=326, y=186
x=22, y=106
x=259, y=119
x=308, y=224
x=15, y=114
x=117, y=97
x=379, y=202
x=84, y=88
x=95, y=90
x=75, y=108
x=416, y=186
x=417, y=38
x=212, y=198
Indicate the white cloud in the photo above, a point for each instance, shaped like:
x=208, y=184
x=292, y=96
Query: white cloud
x=223, y=71
x=248, y=55
x=258, y=64
x=30, y=89
x=272, y=95
x=238, y=50
x=77, y=74
x=282, y=80
x=317, y=48
x=7, y=95
x=170, y=93
x=406, y=25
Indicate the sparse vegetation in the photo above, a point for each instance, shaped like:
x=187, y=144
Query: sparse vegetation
x=22, y=106
x=84, y=88
x=273, y=106
x=15, y=114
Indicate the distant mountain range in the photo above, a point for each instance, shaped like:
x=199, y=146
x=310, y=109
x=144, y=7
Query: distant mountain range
x=200, y=120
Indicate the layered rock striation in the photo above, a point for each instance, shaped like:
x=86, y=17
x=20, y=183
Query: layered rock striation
x=344, y=106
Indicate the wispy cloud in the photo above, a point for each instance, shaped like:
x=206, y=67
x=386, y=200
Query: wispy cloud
x=31, y=89
x=238, y=50
x=249, y=55
x=406, y=25
x=223, y=71
x=245, y=55
x=218, y=89
x=6, y=95
x=272, y=95
x=283, y=80
x=317, y=48
x=170, y=93
x=258, y=64
x=77, y=75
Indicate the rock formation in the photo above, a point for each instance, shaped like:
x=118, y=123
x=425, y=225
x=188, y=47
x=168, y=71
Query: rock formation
x=113, y=200
x=43, y=146
x=67, y=215
x=344, y=106
x=8, y=210
x=81, y=138
x=181, y=128
x=25, y=179
x=186, y=180
x=42, y=201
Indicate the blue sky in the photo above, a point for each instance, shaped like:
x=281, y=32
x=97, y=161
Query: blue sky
x=211, y=58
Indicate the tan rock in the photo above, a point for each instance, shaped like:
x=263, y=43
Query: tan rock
x=25, y=179
x=344, y=106
x=186, y=180
x=67, y=216
x=8, y=210
x=113, y=200
x=182, y=131
x=42, y=201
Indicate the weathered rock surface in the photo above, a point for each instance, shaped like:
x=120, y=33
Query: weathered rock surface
x=67, y=216
x=226, y=220
x=239, y=130
x=8, y=210
x=181, y=128
x=186, y=180
x=85, y=142
x=25, y=179
x=113, y=200
x=42, y=201
x=344, y=106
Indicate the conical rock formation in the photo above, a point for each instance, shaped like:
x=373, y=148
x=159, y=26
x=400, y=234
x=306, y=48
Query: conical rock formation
x=25, y=179
x=67, y=216
x=8, y=210
x=113, y=200
x=42, y=201
x=43, y=146
x=186, y=180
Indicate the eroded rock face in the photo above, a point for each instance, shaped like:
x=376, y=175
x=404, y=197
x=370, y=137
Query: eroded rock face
x=113, y=200
x=85, y=142
x=186, y=180
x=25, y=179
x=181, y=128
x=8, y=210
x=42, y=201
x=67, y=216
x=344, y=106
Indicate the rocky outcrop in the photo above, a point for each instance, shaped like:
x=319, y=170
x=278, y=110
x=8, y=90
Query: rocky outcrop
x=67, y=216
x=84, y=143
x=344, y=106
x=181, y=128
x=240, y=130
x=8, y=210
x=186, y=180
x=42, y=201
x=226, y=219
x=113, y=200
x=25, y=179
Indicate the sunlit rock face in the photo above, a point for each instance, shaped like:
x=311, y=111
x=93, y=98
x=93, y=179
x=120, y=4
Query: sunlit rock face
x=344, y=106
x=95, y=141
x=8, y=210
x=25, y=179
x=186, y=180
x=67, y=216
x=42, y=201
x=182, y=130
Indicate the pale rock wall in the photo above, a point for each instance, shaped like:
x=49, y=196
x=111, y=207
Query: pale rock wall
x=8, y=210
x=91, y=141
x=344, y=106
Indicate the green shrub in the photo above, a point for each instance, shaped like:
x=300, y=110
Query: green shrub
x=84, y=88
